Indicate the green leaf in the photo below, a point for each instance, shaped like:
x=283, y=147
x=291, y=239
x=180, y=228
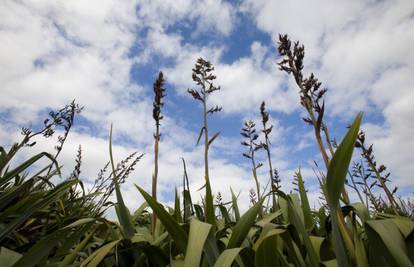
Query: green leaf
x=187, y=205
x=8, y=257
x=305, y=202
x=317, y=244
x=201, y=134
x=227, y=257
x=51, y=197
x=268, y=218
x=199, y=212
x=224, y=214
x=330, y=263
x=362, y=211
x=338, y=168
x=242, y=227
x=295, y=201
x=41, y=249
x=80, y=222
x=213, y=138
x=337, y=171
x=386, y=240
x=174, y=229
x=297, y=222
x=405, y=225
x=210, y=214
x=138, y=212
x=70, y=258
x=22, y=167
x=198, y=235
x=235, y=206
x=268, y=231
x=360, y=253
x=268, y=253
x=95, y=258
x=122, y=211
x=177, y=210
x=211, y=251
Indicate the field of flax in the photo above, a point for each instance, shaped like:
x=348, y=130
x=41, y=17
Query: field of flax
x=47, y=224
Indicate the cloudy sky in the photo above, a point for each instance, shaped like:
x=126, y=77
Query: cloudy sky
x=107, y=53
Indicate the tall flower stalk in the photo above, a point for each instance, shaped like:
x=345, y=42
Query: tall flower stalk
x=378, y=171
x=156, y=114
x=203, y=76
x=311, y=93
x=311, y=96
x=249, y=132
x=273, y=174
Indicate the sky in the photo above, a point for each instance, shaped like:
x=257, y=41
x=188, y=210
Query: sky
x=106, y=54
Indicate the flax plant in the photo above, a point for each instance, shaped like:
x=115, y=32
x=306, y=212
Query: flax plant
x=156, y=114
x=203, y=76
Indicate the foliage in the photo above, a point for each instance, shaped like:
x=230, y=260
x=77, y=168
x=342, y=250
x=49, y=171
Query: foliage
x=43, y=223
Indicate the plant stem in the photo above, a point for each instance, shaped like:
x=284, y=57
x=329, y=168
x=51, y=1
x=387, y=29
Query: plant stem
x=155, y=174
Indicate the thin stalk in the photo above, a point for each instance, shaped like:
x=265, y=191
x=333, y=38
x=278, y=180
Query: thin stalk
x=155, y=174
x=384, y=187
x=354, y=186
x=328, y=140
x=206, y=172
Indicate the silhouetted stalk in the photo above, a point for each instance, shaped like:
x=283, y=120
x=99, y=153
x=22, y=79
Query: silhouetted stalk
x=206, y=172
x=63, y=117
x=66, y=118
x=328, y=139
x=158, y=95
x=367, y=154
x=311, y=95
x=310, y=92
x=202, y=75
x=249, y=132
x=354, y=186
x=274, y=182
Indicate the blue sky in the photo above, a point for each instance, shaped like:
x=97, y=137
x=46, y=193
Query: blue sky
x=106, y=54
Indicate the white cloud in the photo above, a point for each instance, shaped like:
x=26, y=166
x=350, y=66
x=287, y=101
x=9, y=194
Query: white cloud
x=208, y=15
